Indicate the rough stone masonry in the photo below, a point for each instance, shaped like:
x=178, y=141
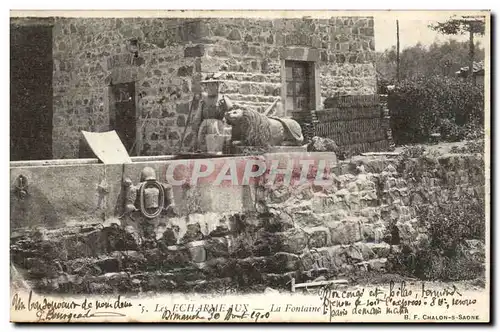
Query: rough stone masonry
x=308, y=231
x=174, y=55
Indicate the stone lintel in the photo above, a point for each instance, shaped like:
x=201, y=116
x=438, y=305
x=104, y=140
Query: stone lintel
x=300, y=54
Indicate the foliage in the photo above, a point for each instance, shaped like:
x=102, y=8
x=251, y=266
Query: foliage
x=474, y=131
x=455, y=26
x=382, y=84
x=412, y=151
x=446, y=253
x=476, y=146
x=426, y=105
x=438, y=59
x=464, y=24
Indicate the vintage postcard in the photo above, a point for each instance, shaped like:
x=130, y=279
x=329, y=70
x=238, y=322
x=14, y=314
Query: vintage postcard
x=250, y=166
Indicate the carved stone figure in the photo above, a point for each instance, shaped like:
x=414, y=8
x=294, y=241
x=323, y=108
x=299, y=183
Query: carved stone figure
x=209, y=119
x=150, y=197
x=251, y=128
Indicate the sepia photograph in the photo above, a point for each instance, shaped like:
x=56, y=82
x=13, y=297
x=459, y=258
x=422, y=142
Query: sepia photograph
x=249, y=166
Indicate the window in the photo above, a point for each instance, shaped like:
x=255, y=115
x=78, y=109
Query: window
x=299, y=85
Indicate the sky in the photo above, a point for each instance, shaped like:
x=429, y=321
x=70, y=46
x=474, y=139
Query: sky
x=411, y=31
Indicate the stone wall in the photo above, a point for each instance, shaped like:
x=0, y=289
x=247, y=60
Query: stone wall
x=175, y=54
x=352, y=223
x=91, y=53
x=249, y=52
x=60, y=195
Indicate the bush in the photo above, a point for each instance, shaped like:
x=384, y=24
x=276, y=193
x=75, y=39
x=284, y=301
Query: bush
x=412, y=151
x=426, y=105
x=444, y=253
x=476, y=146
x=382, y=84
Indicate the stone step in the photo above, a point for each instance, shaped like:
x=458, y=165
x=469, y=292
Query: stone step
x=249, y=87
x=382, y=249
x=240, y=98
x=378, y=264
x=248, y=77
x=256, y=106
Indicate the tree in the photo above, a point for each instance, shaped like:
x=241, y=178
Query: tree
x=439, y=58
x=454, y=26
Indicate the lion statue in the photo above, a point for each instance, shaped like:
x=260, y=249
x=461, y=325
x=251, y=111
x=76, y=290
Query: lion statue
x=251, y=128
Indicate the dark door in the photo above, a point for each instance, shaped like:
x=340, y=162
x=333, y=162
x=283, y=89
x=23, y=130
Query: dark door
x=123, y=116
x=31, y=92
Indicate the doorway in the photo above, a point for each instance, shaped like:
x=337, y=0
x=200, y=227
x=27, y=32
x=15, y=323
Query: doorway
x=122, y=117
x=300, y=88
x=31, y=96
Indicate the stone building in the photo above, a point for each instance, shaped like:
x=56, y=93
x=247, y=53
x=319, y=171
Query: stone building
x=138, y=76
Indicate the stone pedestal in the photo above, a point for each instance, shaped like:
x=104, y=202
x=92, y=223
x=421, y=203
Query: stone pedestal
x=217, y=143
